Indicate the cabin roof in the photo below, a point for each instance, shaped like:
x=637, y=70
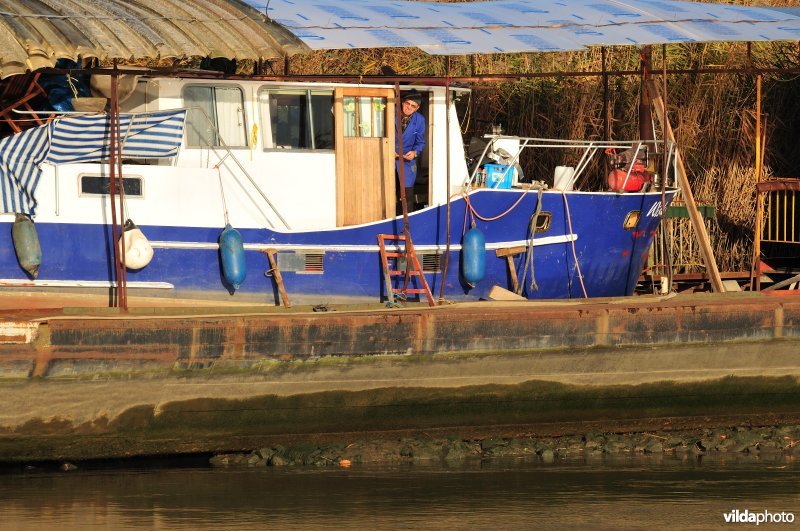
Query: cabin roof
x=34, y=34
x=507, y=26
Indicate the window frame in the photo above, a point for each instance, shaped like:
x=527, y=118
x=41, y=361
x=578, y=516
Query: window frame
x=215, y=118
x=125, y=177
x=265, y=117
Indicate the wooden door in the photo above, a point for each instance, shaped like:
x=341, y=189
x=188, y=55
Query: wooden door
x=365, y=168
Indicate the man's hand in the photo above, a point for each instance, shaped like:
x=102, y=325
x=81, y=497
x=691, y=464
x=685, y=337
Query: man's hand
x=411, y=155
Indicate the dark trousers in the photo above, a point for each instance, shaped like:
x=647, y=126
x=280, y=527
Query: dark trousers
x=409, y=199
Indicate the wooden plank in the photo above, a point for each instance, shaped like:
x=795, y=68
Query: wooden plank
x=697, y=221
x=501, y=294
x=510, y=251
x=792, y=185
x=512, y=270
x=276, y=273
x=783, y=283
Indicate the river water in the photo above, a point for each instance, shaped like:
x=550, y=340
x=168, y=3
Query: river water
x=594, y=492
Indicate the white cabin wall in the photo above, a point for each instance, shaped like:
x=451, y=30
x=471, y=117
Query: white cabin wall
x=165, y=200
x=458, y=164
x=301, y=185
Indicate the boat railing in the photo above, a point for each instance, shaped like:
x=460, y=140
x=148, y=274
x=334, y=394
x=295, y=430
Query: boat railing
x=589, y=147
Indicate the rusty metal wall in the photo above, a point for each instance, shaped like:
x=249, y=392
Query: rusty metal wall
x=78, y=345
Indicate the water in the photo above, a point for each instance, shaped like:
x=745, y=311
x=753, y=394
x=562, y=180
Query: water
x=631, y=492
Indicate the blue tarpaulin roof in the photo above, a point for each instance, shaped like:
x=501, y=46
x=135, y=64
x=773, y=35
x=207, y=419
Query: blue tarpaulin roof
x=505, y=26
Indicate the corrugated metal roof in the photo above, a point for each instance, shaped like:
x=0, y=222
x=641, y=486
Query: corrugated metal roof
x=34, y=33
x=523, y=25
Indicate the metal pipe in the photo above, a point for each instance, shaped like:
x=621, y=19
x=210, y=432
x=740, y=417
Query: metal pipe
x=447, y=158
x=388, y=80
x=112, y=189
x=756, y=265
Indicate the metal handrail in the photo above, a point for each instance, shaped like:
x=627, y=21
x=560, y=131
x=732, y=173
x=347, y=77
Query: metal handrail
x=591, y=147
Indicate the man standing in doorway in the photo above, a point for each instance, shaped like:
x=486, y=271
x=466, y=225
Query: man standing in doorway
x=412, y=125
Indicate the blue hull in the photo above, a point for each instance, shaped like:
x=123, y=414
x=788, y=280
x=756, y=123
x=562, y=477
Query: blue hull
x=610, y=257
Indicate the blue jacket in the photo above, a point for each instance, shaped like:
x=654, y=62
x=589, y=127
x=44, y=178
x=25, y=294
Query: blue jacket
x=413, y=140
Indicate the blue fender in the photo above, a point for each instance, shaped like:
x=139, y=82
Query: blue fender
x=473, y=256
x=231, y=250
x=26, y=245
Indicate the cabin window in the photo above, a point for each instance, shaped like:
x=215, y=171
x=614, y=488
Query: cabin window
x=364, y=116
x=215, y=117
x=297, y=118
x=99, y=185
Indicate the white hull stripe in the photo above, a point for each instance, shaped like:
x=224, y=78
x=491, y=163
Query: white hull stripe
x=14, y=282
x=549, y=240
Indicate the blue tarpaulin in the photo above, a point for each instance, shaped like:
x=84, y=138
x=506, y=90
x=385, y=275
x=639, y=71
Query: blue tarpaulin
x=506, y=26
x=79, y=139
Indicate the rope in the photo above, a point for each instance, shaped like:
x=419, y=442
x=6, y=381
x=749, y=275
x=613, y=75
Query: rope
x=222, y=193
x=529, y=251
x=574, y=252
x=495, y=218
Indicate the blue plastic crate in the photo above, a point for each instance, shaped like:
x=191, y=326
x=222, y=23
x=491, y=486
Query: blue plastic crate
x=498, y=175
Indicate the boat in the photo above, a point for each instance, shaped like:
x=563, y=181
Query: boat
x=306, y=172
x=279, y=188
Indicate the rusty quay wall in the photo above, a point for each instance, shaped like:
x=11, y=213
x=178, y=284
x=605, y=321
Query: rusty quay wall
x=84, y=343
x=107, y=385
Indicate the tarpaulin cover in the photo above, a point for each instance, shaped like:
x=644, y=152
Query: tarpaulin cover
x=523, y=25
x=80, y=139
x=36, y=33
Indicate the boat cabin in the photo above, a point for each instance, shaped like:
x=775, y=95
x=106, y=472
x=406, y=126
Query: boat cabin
x=323, y=154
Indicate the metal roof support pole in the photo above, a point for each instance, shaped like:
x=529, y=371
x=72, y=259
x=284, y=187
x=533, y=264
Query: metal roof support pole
x=401, y=178
x=114, y=163
x=664, y=165
x=697, y=221
x=447, y=155
x=606, y=103
x=606, y=107
x=121, y=190
x=645, y=100
x=399, y=155
x=755, y=268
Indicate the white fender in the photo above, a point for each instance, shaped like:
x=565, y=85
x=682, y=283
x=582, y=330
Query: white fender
x=138, y=251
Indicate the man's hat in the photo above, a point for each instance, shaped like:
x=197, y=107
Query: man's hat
x=413, y=95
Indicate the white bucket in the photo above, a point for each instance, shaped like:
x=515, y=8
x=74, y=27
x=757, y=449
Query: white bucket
x=562, y=177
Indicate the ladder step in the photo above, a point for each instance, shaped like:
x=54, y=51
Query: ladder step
x=413, y=268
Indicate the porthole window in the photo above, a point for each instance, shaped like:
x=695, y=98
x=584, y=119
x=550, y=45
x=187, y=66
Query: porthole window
x=99, y=185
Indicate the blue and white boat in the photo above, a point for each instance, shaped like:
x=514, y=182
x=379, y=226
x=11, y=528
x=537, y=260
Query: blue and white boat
x=307, y=170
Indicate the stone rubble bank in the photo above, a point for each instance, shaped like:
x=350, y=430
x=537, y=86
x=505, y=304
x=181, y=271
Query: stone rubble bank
x=767, y=441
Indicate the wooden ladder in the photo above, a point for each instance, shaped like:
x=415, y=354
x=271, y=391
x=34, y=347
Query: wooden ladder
x=412, y=267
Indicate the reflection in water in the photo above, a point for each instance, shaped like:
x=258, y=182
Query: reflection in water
x=633, y=492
